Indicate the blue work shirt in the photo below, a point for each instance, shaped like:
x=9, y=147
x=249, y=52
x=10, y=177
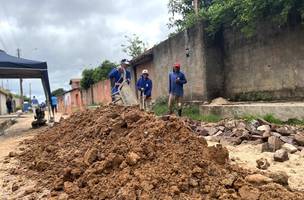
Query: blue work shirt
x=35, y=102
x=118, y=78
x=54, y=100
x=146, y=84
x=176, y=88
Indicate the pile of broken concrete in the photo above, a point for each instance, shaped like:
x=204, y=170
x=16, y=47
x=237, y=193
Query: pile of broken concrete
x=281, y=139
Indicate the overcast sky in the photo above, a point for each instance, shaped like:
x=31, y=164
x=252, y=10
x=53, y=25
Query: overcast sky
x=73, y=34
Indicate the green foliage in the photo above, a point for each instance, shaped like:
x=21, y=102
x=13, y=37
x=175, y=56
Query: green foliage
x=134, y=47
x=87, y=78
x=100, y=73
x=241, y=14
x=191, y=111
x=58, y=92
x=271, y=119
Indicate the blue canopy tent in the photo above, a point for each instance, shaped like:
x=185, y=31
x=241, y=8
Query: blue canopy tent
x=14, y=67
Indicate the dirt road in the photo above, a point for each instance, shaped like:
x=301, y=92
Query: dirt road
x=10, y=142
x=246, y=155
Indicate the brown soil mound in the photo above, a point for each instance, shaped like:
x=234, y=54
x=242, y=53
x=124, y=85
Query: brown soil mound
x=122, y=153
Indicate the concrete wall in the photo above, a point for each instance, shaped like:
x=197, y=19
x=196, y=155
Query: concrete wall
x=268, y=66
x=3, y=109
x=173, y=50
x=78, y=99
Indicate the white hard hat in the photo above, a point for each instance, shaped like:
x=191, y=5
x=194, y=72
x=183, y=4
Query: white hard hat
x=145, y=71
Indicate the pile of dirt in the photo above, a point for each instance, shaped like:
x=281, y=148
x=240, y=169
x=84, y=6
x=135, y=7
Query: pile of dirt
x=219, y=101
x=122, y=153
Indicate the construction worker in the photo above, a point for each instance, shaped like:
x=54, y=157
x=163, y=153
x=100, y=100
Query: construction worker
x=35, y=104
x=177, y=80
x=117, y=74
x=144, y=85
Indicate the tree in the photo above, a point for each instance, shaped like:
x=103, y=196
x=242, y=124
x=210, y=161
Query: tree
x=134, y=47
x=102, y=71
x=58, y=92
x=244, y=15
x=87, y=78
x=182, y=13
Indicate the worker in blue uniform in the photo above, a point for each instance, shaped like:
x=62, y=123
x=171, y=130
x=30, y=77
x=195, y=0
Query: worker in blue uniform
x=177, y=79
x=117, y=76
x=144, y=85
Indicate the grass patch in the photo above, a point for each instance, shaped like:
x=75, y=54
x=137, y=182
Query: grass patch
x=191, y=111
x=272, y=119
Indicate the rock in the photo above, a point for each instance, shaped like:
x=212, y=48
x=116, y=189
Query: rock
x=76, y=173
x=274, y=143
x=211, y=130
x=174, y=189
x=255, y=123
x=289, y=148
x=201, y=131
x=41, y=165
x=63, y=196
x=221, y=128
x=265, y=147
x=266, y=134
x=241, y=125
x=212, y=138
x=249, y=193
x=29, y=190
x=287, y=139
x=230, y=141
x=229, y=179
x=58, y=184
x=280, y=155
x=132, y=158
x=285, y=131
x=230, y=125
x=193, y=182
x=219, y=133
x=280, y=177
x=15, y=187
x=299, y=138
x=276, y=134
x=262, y=163
x=264, y=128
x=12, y=154
x=258, y=179
x=70, y=187
x=90, y=156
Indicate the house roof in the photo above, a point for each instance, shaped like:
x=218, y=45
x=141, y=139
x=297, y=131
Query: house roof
x=143, y=58
x=75, y=80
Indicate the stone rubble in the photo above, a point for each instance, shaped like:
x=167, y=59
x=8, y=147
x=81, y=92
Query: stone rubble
x=235, y=132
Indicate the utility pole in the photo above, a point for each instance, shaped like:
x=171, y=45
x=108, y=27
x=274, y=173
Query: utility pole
x=30, y=92
x=20, y=82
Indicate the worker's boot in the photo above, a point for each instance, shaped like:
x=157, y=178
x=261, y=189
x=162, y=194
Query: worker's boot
x=179, y=112
x=179, y=109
